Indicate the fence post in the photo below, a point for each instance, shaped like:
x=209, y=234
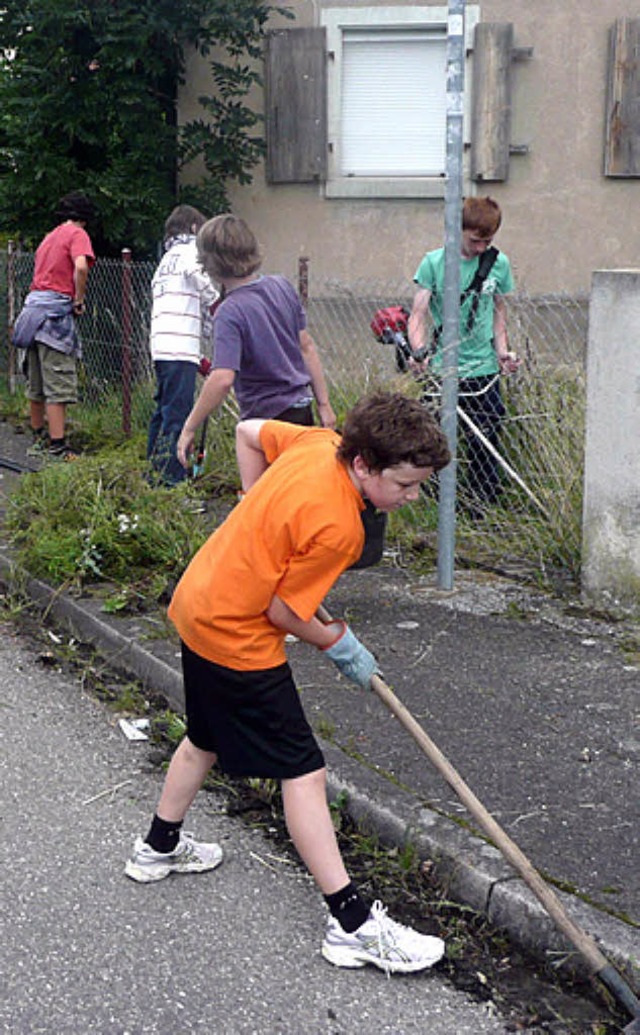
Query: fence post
x=451, y=300
x=303, y=279
x=11, y=315
x=126, y=341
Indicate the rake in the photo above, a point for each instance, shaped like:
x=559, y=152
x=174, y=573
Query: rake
x=599, y=965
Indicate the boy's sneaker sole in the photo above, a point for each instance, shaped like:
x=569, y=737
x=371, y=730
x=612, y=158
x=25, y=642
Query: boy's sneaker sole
x=354, y=959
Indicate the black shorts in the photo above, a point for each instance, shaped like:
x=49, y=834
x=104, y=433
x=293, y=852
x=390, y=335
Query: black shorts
x=298, y=415
x=253, y=721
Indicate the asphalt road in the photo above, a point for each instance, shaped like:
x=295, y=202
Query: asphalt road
x=87, y=952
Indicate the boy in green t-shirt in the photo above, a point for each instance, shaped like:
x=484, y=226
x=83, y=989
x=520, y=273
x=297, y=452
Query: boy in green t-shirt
x=483, y=353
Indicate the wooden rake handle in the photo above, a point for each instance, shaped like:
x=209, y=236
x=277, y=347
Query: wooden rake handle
x=514, y=855
x=582, y=941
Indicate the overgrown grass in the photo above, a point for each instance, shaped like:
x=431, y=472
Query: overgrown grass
x=98, y=420
x=100, y=519
x=535, y=531
x=14, y=404
x=103, y=519
x=77, y=534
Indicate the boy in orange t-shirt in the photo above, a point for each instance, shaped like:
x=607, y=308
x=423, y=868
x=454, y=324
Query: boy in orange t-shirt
x=262, y=575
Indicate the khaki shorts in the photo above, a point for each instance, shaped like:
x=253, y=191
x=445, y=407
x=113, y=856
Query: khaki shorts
x=52, y=376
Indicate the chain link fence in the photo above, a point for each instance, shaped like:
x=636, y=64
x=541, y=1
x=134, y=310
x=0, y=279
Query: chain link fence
x=532, y=528
x=116, y=370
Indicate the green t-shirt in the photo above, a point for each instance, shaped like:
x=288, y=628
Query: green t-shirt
x=476, y=354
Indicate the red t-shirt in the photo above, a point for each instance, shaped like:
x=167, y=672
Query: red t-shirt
x=56, y=256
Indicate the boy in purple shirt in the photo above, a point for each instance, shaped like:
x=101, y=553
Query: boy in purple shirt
x=262, y=348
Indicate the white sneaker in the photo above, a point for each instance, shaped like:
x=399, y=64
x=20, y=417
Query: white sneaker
x=146, y=865
x=382, y=942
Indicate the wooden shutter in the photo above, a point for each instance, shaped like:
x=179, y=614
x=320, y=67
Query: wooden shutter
x=622, y=130
x=296, y=105
x=491, y=101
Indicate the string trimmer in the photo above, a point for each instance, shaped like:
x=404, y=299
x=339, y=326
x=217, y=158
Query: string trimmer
x=390, y=328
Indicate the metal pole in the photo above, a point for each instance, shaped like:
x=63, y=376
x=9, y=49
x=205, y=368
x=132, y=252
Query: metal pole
x=11, y=302
x=451, y=299
x=303, y=279
x=126, y=341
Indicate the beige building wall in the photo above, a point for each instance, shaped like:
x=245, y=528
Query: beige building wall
x=562, y=217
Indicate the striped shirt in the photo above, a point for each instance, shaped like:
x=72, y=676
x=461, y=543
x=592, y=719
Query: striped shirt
x=182, y=295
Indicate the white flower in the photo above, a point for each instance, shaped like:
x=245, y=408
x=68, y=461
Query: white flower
x=126, y=523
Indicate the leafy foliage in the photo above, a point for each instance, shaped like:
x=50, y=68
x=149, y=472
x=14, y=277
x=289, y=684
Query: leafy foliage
x=88, y=93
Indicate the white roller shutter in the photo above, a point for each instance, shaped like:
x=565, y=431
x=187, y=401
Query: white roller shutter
x=393, y=103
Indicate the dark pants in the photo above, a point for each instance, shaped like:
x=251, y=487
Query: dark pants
x=486, y=409
x=176, y=382
x=298, y=415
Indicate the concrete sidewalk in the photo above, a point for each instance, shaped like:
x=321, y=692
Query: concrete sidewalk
x=537, y=708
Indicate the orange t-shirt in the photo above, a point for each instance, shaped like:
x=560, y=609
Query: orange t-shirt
x=293, y=534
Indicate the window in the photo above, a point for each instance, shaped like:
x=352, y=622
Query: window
x=381, y=73
x=387, y=100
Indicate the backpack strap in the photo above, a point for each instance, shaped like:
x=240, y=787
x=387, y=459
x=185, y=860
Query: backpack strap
x=475, y=287
x=473, y=291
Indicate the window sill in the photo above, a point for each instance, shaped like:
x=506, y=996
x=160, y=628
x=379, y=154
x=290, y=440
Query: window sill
x=385, y=187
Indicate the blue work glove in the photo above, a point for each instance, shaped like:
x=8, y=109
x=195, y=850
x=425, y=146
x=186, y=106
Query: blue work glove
x=352, y=658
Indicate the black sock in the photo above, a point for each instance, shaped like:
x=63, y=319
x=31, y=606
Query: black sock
x=57, y=443
x=163, y=836
x=348, y=907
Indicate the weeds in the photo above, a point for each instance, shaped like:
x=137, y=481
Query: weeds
x=326, y=727
x=529, y=994
x=99, y=519
x=104, y=522
x=338, y=809
x=14, y=404
x=168, y=729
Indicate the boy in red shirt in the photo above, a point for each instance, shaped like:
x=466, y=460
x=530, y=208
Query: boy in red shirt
x=46, y=326
x=262, y=575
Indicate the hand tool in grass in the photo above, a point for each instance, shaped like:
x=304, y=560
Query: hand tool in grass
x=198, y=463
x=598, y=964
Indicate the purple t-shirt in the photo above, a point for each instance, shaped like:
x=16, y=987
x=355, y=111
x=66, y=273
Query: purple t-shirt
x=256, y=332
